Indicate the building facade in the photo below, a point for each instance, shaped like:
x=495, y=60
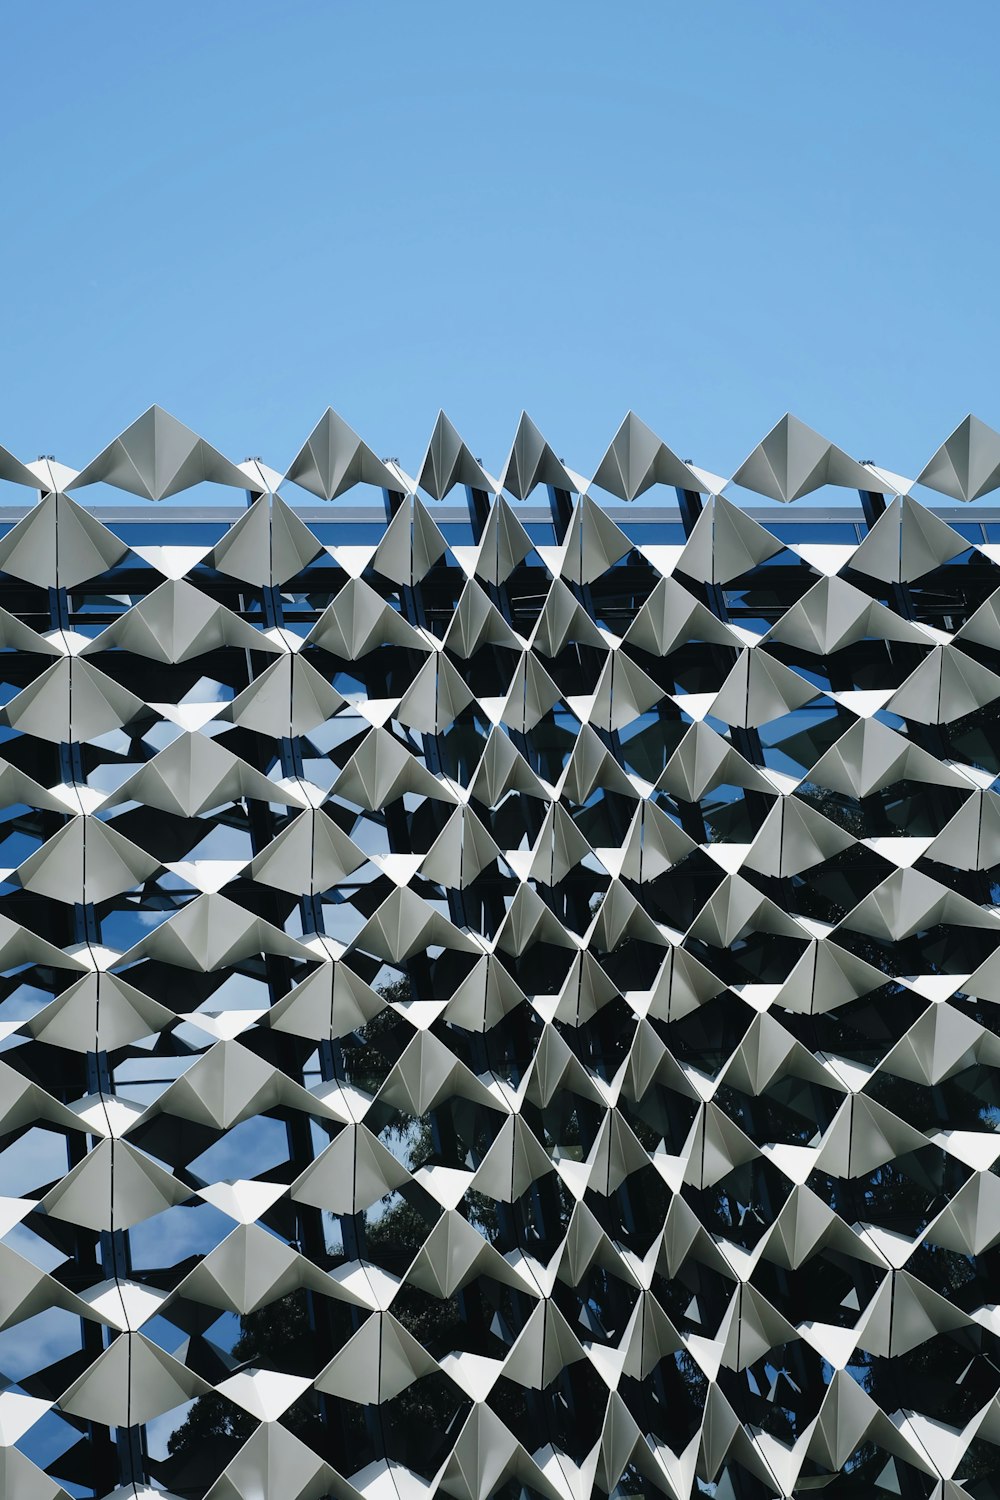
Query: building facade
x=500, y=976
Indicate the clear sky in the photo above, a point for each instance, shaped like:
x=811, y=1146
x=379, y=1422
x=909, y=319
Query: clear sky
x=708, y=212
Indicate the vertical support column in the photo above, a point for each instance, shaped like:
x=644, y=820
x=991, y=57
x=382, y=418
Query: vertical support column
x=561, y=507
x=479, y=510
x=278, y=970
x=561, y=510
x=311, y=908
x=479, y=504
x=745, y=740
x=412, y=597
x=874, y=506
x=113, y=1243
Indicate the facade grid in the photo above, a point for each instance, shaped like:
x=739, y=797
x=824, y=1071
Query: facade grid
x=500, y=977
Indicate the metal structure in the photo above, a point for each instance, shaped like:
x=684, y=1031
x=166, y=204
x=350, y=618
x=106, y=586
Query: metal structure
x=499, y=998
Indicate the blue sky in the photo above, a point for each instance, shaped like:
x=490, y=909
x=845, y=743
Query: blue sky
x=710, y=213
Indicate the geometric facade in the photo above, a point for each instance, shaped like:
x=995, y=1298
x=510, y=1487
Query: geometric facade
x=501, y=984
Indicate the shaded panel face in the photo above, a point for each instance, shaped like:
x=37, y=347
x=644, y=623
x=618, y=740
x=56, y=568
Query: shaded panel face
x=498, y=1001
